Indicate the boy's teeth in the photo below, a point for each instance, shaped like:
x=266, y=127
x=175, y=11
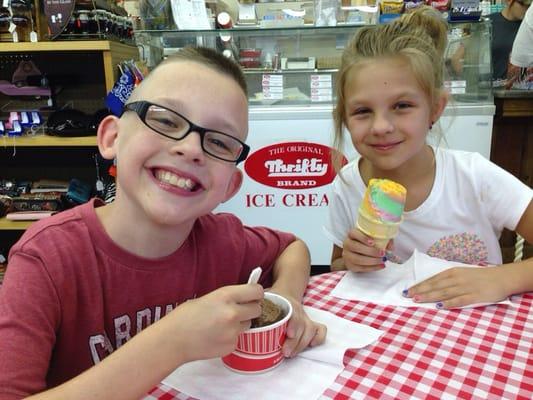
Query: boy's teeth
x=175, y=180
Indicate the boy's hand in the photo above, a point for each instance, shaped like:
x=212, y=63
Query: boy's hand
x=459, y=286
x=359, y=253
x=302, y=331
x=209, y=326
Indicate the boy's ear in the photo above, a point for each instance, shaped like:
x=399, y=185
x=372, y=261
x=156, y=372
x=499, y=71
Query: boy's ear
x=440, y=105
x=107, y=136
x=234, y=184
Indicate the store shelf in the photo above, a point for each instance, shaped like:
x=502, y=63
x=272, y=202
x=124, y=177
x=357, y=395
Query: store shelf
x=48, y=141
x=83, y=72
x=112, y=52
x=6, y=224
x=80, y=45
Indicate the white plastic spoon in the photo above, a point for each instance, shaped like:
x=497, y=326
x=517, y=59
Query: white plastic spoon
x=254, y=275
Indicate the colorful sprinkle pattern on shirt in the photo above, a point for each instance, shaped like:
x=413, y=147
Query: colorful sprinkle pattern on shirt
x=466, y=248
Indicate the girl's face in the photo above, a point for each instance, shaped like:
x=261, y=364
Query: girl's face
x=387, y=113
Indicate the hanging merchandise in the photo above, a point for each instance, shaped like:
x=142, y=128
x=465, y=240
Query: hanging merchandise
x=87, y=19
x=58, y=14
x=130, y=77
x=155, y=14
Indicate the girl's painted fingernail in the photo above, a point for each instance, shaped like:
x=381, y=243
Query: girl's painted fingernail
x=384, y=258
x=370, y=242
x=405, y=292
x=382, y=266
x=416, y=298
x=439, y=305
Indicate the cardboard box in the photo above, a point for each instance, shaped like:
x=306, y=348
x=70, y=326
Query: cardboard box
x=275, y=9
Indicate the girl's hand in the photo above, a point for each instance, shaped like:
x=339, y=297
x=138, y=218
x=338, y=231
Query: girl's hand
x=302, y=331
x=359, y=253
x=459, y=286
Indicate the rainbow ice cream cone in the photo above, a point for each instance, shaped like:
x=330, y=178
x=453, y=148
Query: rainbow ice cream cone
x=380, y=213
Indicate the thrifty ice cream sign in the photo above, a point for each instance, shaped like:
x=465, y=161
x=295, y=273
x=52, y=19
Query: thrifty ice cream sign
x=290, y=167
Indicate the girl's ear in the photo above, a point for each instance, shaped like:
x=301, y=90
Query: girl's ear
x=107, y=137
x=234, y=184
x=439, y=106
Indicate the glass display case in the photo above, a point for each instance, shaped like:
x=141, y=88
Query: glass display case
x=297, y=65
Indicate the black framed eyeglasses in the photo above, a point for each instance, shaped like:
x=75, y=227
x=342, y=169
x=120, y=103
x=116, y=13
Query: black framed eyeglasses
x=173, y=125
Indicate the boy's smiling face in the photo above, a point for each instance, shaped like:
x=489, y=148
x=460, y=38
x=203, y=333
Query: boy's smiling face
x=173, y=182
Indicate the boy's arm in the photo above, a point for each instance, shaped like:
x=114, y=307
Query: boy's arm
x=182, y=336
x=291, y=275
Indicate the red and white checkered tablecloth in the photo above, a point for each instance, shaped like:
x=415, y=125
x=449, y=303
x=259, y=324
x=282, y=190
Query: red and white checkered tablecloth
x=481, y=353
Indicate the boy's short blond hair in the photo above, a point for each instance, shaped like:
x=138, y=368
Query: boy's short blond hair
x=210, y=58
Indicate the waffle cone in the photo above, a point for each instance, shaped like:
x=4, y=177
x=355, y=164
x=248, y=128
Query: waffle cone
x=378, y=230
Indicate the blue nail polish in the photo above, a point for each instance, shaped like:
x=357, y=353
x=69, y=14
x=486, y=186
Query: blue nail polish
x=384, y=258
x=439, y=305
x=405, y=292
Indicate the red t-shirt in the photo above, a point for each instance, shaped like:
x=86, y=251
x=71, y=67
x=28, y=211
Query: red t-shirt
x=71, y=295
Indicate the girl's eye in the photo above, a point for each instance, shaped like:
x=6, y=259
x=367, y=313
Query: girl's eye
x=402, y=106
x=360, y=111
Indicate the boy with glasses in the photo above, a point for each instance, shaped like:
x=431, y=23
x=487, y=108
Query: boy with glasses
x=81, y=284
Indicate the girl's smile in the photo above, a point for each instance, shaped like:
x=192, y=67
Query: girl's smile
x=386, y=146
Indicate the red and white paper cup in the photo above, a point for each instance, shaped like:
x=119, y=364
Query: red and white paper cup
x=259, y=349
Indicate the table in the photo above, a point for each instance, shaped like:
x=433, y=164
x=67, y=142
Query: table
x=482, y=353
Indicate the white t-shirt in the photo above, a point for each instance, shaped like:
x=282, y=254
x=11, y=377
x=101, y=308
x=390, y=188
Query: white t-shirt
x=461, y=220
x=522, y=53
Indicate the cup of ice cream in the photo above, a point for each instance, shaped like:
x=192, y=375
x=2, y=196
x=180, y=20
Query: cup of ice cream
x=259, y=348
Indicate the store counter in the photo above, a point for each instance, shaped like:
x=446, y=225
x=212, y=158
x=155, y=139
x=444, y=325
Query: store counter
x=512, y=134
x=512, y=145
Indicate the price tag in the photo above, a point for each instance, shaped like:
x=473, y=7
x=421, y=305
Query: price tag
x=272, y=80
x=12, y=27
x=272, y=87
x=321, y=87
x=15, y=37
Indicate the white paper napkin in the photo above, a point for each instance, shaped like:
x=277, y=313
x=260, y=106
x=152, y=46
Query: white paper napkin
x=305, y=376
x=386, y=286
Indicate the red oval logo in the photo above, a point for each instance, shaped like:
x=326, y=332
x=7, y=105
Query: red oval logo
x=292, y=165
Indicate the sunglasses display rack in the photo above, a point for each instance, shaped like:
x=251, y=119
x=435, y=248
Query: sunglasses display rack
x=86, y=20
x=18, y=21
